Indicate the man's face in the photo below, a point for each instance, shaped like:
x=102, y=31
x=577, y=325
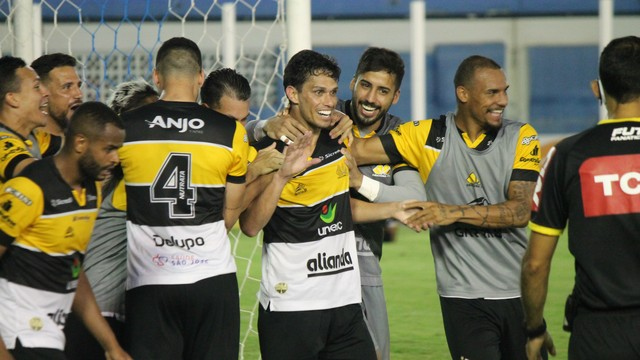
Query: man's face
x=373, y=93
x=101, y=156
x=33, y=97
x=487, y=97
x=65, y=94
x=234, y=108
x=316, y=100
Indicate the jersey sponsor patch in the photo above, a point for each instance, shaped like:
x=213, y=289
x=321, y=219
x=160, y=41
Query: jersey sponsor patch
x=610, y=185
x=625, y=133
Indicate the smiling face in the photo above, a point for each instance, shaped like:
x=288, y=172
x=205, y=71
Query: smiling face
x=33, y=97
x=373, y=93
x=315, y=101
x=485, y=98
x=101, y=156
x=65, y=95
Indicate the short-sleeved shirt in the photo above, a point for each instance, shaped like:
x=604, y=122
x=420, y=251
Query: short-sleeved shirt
x=177, y=158
x=592, y=182
x=14, y=148
x=309, y=257
x=471, y=261
x=46, y=226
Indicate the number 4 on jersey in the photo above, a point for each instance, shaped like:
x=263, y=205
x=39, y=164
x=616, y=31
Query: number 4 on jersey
x=172, y=185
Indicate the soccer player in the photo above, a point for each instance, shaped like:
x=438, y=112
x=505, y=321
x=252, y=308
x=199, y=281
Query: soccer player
x=23, y=106
x=229, y=93
x=375, y=88
x=58, y=74
x=591, y=181
x=309, y=293
x=479, y=171
x=184, y=167
x=105, y=262
x=46, y=218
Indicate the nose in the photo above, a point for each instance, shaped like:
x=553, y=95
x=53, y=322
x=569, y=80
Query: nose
x=78, y=92
x=370, y=97
x=503, y=99
x=115, y=159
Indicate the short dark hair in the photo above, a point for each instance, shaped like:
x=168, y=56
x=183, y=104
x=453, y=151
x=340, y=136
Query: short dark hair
x=179, y=55
x=224, y=82
x=307, y=63
x=619, y=69
x=130, y=95
x=468, y=67
x=45, y=63
x=90, y=119
x=381, y=59
x=9, y=81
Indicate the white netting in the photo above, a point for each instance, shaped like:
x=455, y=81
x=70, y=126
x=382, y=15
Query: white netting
x=119, y=45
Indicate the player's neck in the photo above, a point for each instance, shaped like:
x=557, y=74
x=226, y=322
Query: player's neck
x=69, y=169
x=625, y=111
x=180, y=91
x=20, y=126
x=53, y=127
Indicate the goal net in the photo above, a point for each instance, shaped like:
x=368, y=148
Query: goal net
x=115, y=41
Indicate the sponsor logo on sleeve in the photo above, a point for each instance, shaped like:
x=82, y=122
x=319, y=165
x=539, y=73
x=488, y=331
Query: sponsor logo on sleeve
x=20, y=196
x=529, y=139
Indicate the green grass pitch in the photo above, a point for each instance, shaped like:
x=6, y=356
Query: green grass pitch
x=414, y=310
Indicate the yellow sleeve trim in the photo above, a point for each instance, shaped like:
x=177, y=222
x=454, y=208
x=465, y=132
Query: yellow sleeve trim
x=545, y=230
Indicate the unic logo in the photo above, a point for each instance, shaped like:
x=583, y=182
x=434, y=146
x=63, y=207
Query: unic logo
x=183, y=243
x=328, y=213
x=338, y=263
x=183, y=124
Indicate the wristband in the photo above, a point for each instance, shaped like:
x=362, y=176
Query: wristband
x=369, y=188
x=536, y=332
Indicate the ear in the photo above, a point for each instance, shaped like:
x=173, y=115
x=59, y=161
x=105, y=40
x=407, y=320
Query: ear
x=80, y=143
x=12, y=99
x=396, y=97
x=200, y=79
x=352, y=84
x=292, y=94
x=156, y=78
x=462, y=94
x=595, y=89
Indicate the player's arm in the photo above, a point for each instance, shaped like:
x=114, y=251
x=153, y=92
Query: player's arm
x=258, y=213
x=275, y=128
x=515, y=212
x=536, y=266
x=363, y=211
x=267, y=160
x=85, y=306
x=368, y=151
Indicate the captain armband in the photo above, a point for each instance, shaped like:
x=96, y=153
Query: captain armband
x=369, y=188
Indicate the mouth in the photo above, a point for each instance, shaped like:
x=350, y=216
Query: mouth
x=74, y=106
x=44, y=108
x=325, y=114
x=496, y=113
x=368, y=110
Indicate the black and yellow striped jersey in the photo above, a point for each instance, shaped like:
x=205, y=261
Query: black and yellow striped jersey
x=14, y=148
x=309, y=257
x=177, y=159
x=46, y=226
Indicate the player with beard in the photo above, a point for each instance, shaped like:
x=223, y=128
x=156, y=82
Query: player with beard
x=309, y=291
x=58, y=74
x=375, y=88
x=479, y=171
x=23, y=104
x=46, y=218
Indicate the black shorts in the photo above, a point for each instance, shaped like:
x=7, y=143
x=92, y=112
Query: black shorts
x=81, y=344
x=605, y=335
x=484, y=329
x=22, y=353
x=338, y=333
x=191, y=321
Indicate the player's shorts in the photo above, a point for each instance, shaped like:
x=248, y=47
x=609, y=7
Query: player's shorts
x=22, y=353
x=605, y=335
x=81, y=344
x=190, y=321
x=338, y=333
x=484, y=329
